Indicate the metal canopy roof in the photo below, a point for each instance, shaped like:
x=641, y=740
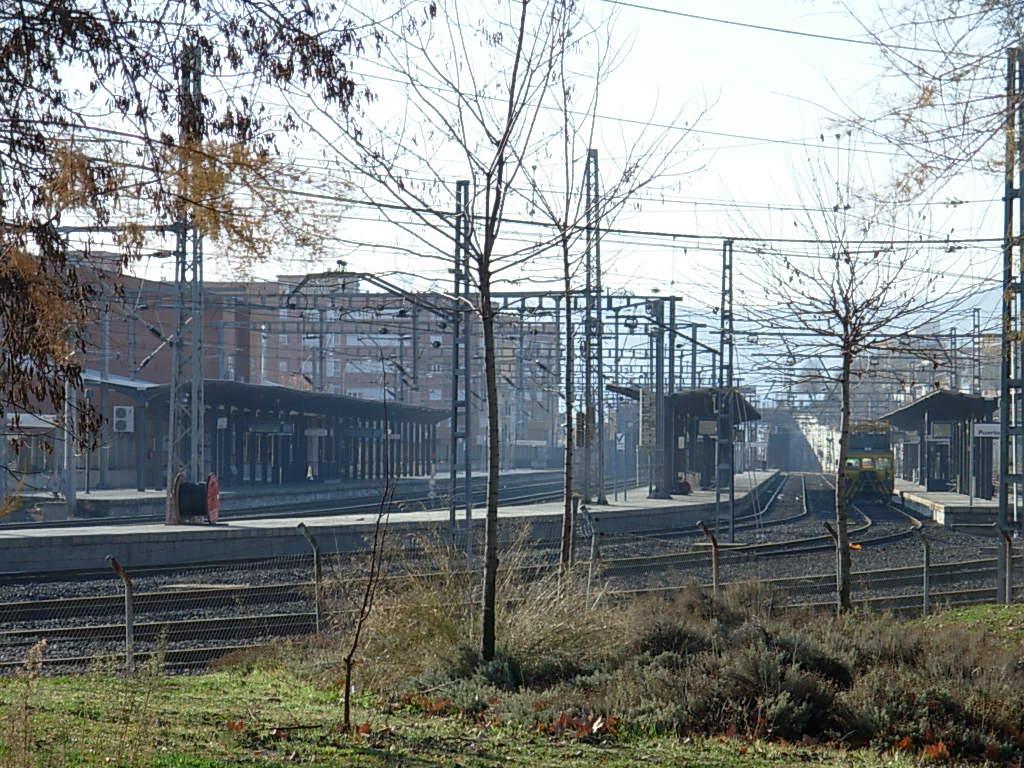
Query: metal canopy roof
x=117, y=382
x=698, y=402
x=701, y=403
x=941, y=405
x=275, y=397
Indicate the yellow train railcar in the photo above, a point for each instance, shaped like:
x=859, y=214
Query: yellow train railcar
x=870, y=463
x=869, y=477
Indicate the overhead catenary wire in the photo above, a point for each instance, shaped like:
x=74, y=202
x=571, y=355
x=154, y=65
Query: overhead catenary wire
x=782, y=30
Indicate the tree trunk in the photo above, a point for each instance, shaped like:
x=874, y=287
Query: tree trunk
x=842, y=519
x=569, y=398
x=493, y=457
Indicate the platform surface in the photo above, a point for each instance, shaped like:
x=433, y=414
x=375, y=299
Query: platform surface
x=946, y=507
x=133, y=494
x=34, y=549
x=130, y=502
x=636, y=500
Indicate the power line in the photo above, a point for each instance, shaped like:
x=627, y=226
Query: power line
x=802, y=142
x=444, y=214
x=781, y=30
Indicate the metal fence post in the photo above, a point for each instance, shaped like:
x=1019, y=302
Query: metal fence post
x=714, y=556
x=129, y=614
x=926, y=566
x=835, y=539
x=317, y=572
x=572, y=527
x=1007, y=585
x=595, y=551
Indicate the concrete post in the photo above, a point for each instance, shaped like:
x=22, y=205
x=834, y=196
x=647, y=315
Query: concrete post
x=106, y=432
x=715, y=562
x=69, y=480
x=129, y=614
x=317, y=574
x=926, y=573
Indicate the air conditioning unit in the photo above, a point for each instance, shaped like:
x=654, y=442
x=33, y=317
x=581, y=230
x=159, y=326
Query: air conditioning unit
x=124, y=418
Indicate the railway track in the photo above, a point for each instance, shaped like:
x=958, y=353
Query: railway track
x=783, y=548
x=278, y=624
x=264, y=611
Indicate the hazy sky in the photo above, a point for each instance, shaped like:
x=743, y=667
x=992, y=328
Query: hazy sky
x=767, y=105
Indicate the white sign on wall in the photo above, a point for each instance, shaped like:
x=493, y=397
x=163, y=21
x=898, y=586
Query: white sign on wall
x=986, y=430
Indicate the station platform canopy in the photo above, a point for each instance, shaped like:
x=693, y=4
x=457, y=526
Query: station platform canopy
x=701, y=403
x=940, y=447
x=697, y=402
x=275, y=397
x=942, y=405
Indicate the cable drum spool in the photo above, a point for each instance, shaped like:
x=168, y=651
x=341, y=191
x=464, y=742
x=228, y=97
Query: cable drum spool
x=192, y=500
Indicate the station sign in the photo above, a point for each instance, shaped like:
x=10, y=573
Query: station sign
x=272, y=427
x=707, y=427
x=986, y=430
x=620, y=441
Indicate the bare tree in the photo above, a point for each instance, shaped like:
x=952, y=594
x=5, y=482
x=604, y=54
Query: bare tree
x=89, y=110
x=472, y=98
x=376, y=564
x=577, y=216
x=856, y=289
x=944, y=104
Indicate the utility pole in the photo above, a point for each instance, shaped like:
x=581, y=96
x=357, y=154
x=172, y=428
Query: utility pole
x=976, y=352
x=619, y=461
x=693, y=355
x=70, y=498
x=724, y=454
x=519, y=410
x=416, y=354
x=594, y=242
x=555, y=400
x=104, y=397
x=321, y=376
x=186, y=401
x=588, y=336
x=672, y=345
x=5, y=444
x=461, y=424
x=1011, y=479
x=954, y=368
x=661, y=487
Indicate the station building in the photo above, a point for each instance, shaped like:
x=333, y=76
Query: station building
x=305, y=380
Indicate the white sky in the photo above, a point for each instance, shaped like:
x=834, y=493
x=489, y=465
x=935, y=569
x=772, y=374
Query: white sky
x=770, y=98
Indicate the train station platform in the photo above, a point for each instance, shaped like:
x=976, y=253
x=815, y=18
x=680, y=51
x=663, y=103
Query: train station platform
x=34, y=550
x=946, y=508
x=128, y=502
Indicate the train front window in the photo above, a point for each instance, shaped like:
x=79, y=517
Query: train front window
x=866, y=463
x=853, y=463
x=883, y=462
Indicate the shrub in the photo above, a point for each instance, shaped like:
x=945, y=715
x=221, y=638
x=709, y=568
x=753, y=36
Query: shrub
x=694, y=663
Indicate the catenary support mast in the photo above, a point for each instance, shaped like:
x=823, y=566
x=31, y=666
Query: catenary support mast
x=1011, y=400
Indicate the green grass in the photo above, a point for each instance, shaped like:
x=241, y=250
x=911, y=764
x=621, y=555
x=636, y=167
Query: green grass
x=999, y=621
x=946, y=686
x=232, y=718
